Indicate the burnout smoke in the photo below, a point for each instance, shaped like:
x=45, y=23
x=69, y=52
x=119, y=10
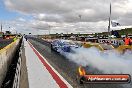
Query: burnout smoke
x=107, y=62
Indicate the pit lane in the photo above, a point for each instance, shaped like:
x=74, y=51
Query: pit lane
x=65, y=67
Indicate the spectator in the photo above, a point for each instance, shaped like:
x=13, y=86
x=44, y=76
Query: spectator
x=127, y=40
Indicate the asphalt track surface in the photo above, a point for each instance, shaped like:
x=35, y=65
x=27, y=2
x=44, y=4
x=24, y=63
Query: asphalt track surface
x=5, y=42
x=66, y=68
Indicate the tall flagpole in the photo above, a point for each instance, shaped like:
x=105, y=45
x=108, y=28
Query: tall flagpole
x=109, y=21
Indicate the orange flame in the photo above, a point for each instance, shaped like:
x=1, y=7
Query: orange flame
x=82, y=71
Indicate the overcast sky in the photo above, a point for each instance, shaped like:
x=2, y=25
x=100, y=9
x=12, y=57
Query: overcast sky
x=77, y=16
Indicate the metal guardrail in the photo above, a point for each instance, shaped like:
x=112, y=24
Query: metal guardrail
x=16, y=82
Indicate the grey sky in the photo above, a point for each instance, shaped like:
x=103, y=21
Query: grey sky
x=63, y=15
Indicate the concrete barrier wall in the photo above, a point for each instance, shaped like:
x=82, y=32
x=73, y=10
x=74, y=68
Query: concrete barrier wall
x=6, y=55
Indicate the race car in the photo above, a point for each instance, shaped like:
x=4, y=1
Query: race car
x=63, y=45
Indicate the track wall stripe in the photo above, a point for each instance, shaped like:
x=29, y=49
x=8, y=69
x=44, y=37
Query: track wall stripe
x=53, y=74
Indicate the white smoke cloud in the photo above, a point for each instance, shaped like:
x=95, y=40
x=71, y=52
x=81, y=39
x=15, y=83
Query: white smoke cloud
x=108, y=62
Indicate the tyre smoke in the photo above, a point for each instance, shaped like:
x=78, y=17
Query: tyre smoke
x=106, y=62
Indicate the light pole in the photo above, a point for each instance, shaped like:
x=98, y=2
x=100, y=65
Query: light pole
x=49, y=29
x=109, y=22
x=16, y=31
x=1, y=26
x=80, y=16
x=9, y=28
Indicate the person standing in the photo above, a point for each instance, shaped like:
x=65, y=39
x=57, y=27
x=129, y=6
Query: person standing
x=127, y=40
x=25, y=37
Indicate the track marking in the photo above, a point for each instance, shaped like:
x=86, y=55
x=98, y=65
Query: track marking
x=56, y=76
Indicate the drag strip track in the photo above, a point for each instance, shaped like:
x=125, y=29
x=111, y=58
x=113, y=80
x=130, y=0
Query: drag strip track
x=65, y=67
